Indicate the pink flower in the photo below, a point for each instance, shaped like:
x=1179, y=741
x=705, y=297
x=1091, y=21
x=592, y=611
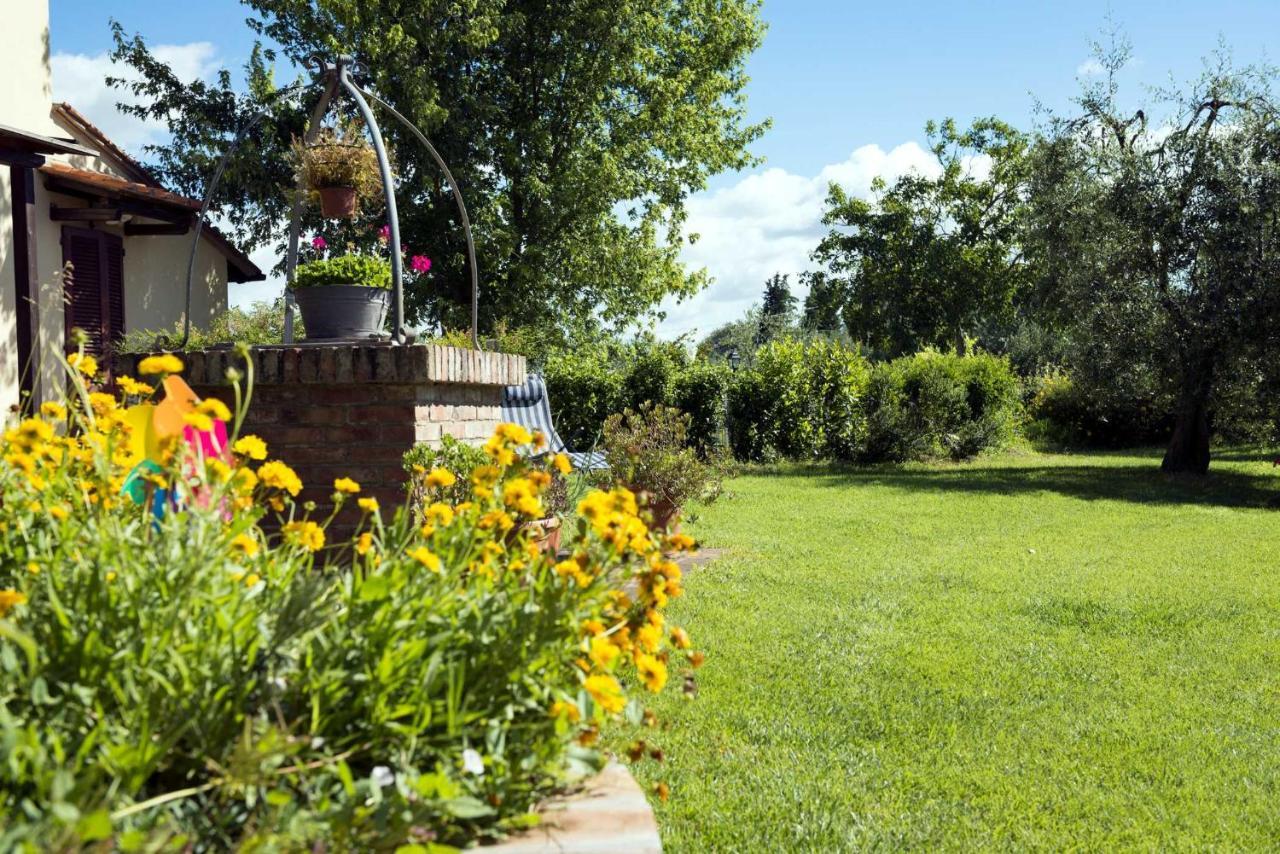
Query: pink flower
x=420, y=263
x=384, y=233
x=318, y=243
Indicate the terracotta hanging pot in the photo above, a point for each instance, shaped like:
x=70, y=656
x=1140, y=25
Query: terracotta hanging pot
x=337, y=202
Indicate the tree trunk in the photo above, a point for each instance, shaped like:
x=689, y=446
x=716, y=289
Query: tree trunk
x=1188, y=450
x=962, y=346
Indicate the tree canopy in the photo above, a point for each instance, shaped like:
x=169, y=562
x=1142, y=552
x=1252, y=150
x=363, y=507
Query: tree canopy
x=1158, y=234
x=932, y=256
x=575, y=130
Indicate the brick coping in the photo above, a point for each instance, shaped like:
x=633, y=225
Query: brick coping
x=610, y=813
x=347, y=362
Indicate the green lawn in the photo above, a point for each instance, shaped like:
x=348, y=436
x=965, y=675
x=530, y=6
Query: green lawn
x=1050, y=651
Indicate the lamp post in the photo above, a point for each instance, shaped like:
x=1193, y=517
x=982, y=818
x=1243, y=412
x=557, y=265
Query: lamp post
x=734, y=359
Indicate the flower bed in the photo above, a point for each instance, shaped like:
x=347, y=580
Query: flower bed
x=171, y=676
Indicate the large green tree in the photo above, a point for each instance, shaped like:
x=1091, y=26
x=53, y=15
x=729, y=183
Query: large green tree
x=1158, y=233
x=933, y=257
x=576, y=130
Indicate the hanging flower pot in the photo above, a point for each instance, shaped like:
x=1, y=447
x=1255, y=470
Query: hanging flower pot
x=339, y=167
x=338, y=202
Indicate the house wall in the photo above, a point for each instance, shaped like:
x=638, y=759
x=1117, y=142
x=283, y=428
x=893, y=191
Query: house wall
x=155, y=275
x=25, y=87
x=25, y=93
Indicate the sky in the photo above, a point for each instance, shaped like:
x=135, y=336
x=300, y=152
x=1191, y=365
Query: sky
x=848, y=87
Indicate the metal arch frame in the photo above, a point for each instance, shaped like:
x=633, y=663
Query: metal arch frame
x=338, y=77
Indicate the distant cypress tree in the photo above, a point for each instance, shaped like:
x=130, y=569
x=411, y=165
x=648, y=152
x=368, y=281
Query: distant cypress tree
x=779, y=304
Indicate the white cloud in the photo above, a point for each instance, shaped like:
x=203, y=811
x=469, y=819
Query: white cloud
x=769, y=222
x=1089, y=68
x=80, y=80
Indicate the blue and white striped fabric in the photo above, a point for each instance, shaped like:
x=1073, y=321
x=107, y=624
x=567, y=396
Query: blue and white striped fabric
x=527, y=405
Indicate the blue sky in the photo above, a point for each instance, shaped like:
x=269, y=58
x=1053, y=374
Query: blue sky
x=848, y=85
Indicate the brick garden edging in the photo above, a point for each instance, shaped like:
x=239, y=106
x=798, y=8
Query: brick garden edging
x=610, y=814
x=335, y=410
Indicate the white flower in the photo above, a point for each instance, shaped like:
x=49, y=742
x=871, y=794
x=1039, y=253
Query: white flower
x=472, y=763
x=382, y=776
x=317, y=742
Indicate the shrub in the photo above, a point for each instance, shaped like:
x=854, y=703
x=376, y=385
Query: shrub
x=260, y=323
x=175, y=673
x=1067, y=412
x=454, y=456
x=649, y=452
x=369, y=271
x=799, y=401
x=699, y=391
x=934, y=404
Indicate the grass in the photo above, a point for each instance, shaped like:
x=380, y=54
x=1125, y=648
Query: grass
x=1029, y=651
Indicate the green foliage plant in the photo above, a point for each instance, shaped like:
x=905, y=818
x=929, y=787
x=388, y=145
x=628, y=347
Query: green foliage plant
x=368, y=271
x=648, y=450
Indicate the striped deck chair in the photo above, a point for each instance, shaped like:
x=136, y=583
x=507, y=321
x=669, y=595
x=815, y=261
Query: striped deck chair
x=527, y=405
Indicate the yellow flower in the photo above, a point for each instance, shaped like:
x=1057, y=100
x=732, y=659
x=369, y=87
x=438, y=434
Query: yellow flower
x=251, y=447
x=485, y=476
x=499, y=452
x=363, y=543
x=199, y=420
x=440, y=514
x=53, y=409
x=129, y=385
x=441, y=478
x=649, y=636
x=606, y=691
x=251, y=579
x=346, y=486
x=308, y=535
x=111, y=576
x=368, y=505
x=245, y=544
x=58, y=512
x=33, y=568
x=84, y=363
x=102, y=403
x=561, y=709
x=513, y=433
x=562, y=464
x=680, y=638
x=9, y=598
x=244, y=480
x=496, y=519
x=653, y=673
x=425, y=557
x=519, y=493
x=166, y=364
x=214, y=408
x=603, y=652
x=277, y=475
x=539, y=440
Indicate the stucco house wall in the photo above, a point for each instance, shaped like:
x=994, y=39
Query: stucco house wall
x=154, y=266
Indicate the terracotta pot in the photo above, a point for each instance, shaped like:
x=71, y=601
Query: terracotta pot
x=544, y=532
x=666, y=516
x=337, y=202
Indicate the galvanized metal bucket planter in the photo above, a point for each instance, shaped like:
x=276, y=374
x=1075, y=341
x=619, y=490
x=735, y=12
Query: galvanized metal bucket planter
x=343, y=311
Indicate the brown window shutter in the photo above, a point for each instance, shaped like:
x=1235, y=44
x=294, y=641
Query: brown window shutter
x=115, y=287
x=82, y=249
x=94, y=291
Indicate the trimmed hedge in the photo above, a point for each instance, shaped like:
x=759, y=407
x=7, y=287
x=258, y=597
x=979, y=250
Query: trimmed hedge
x=822, y=400
x=799, y=400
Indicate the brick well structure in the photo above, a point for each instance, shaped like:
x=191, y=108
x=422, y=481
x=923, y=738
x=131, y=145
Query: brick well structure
x=335, y=410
